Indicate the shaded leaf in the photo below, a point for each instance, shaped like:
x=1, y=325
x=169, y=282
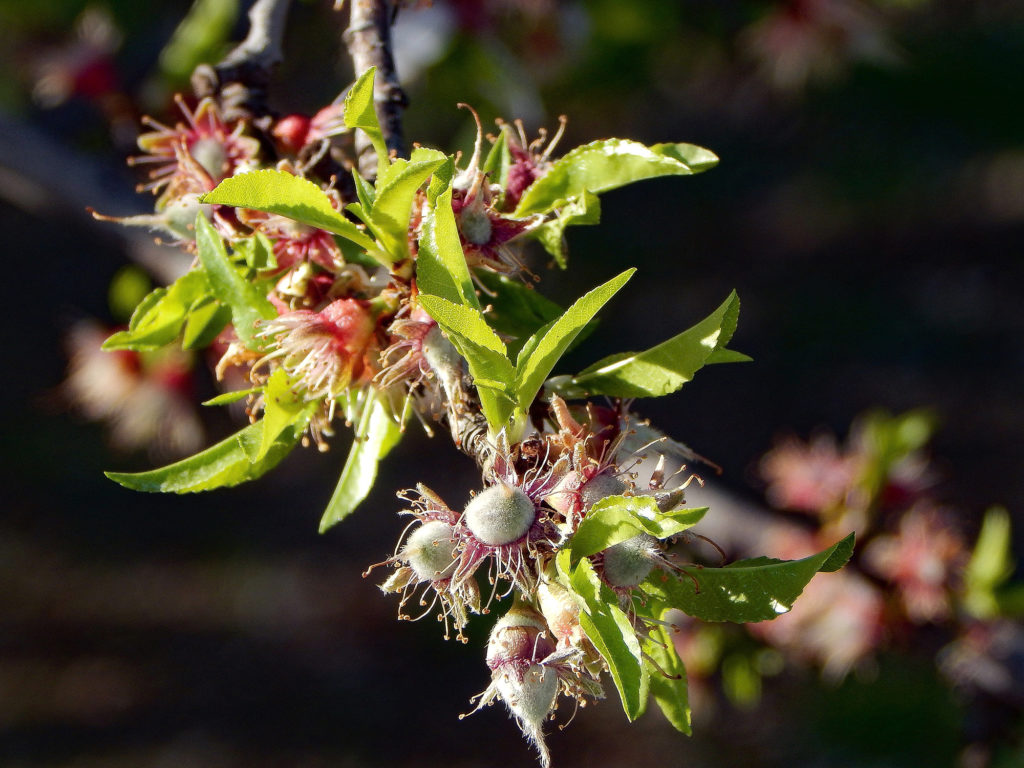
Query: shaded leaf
x=231, y=397
x=670, y=693
x=745, y=591
x=499, y=159
x=375, y=435
x=206, y=319
x=586, y=209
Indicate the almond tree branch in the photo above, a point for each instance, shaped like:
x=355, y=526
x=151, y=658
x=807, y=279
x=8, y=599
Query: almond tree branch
x=368, y=39
x=241, y=79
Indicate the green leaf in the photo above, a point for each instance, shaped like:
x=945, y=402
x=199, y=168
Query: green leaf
x=375, y=435
x=499, y=159
x=206, y=318
x=543, y=350
x=991, y=564
x=364, y=190
x=665, y=368
x=248, y=305
x=586, y=209
x=745, y=591
x=361, y=113
x=617, y=518
x=292, y=197
x=603, y=165
x=612, y=634
x=222, y=465
x=231, y=397
x=484, y=352
x=392, y=207
x=670, y=693
x=441, y=265
x=283, y=408
x=161, y=315
x=257, y=251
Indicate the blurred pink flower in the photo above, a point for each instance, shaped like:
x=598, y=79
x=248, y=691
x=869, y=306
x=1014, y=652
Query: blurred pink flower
x=922, y=559
x=809, y=477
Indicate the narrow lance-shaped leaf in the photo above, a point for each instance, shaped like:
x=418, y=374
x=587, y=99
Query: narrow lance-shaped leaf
x=664, y=368
x=361, y=113
x=543, y=350
x=248, y=305
x=745, y=591
x=441, y=268
x=603, y=165
x=667, y=676
x=283, y=408
x=222, y=465
x=392, y=206
x=292, y=197
x=161, y=315
x=616, y=518
x=485, y=355
x=612, y=633
x=375, y=435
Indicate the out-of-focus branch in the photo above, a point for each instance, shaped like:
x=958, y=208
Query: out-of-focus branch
x=241, y=79
x=368, y=38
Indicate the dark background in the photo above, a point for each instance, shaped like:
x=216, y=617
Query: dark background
x=872, y=224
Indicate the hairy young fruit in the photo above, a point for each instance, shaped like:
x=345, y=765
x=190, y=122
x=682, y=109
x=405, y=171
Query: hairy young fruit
x=600, y=487
x=629, y=562
x=430, y=551
x=500, y=515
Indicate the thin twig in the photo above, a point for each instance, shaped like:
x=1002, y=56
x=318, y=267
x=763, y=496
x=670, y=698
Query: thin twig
x=368, y=39
x=241, y=79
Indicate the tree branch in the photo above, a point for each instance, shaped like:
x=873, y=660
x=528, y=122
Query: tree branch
x=241, y=79
x=368, y=39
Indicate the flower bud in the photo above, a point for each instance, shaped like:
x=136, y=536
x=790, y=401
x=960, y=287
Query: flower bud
x=629, y=562
x=500, y=514
x=561, y=612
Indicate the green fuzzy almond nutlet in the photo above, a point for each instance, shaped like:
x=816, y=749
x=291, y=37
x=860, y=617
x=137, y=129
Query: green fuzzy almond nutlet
x=430, y=551
x=500, y=515
x=628, y=563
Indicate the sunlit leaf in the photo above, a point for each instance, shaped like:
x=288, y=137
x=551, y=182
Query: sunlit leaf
x=441, y=268
x=376, y=433
x=665, y=368
x=392, y=207
x=283, y=408
x=617, y=518
x=611, y=632
x=222, y=465
x=991, y=564
x=361, y=113
x=745, y=591
x=161, y=315
x=603, y=165
x=248, y=305
x=231, y=397
x=542, y=351
x=290, y=196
